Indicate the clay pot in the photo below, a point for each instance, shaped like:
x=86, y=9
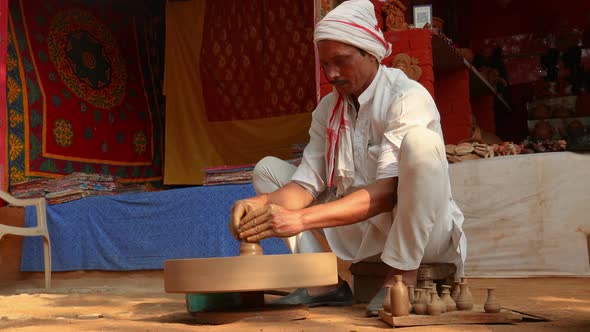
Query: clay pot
x=465, y=299
x=400, y=302
x=249, y=249
x=543, y=130
x=441, y=303
x=434, y=308
x=450, y=304
x=420, y=304
x=491, y=305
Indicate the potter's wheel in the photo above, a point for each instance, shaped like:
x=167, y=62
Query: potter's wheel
x=250, y=273
x=247, y=276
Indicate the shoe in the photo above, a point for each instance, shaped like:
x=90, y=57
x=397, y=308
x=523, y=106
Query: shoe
x=342, y=296
x=376, y=303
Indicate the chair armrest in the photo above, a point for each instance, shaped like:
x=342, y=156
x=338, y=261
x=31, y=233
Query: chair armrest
x=20, y=201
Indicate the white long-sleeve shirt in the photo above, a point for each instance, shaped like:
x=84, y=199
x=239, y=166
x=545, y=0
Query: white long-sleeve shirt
x=388, y=108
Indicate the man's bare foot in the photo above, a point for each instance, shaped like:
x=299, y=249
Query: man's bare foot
x=409, y=277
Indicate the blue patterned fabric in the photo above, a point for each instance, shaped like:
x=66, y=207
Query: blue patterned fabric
x=139, y=231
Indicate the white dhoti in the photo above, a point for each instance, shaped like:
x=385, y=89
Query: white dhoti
x=424, y=227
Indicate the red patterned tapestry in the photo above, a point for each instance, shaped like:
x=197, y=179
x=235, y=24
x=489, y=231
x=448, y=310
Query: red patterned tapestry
x=257, y=58
x=3, y=118
x=82, y=94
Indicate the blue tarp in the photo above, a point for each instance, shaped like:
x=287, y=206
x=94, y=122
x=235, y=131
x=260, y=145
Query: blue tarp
x=139, y=231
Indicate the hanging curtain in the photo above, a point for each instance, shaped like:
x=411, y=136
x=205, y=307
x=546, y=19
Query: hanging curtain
x=239, y=83
x=3, y=114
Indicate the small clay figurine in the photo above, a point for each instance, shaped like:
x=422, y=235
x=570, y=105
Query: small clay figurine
x=491, y=305
x=465, y=300
x=446, y=298
x=400, y=302
x=421, y=302
x=434, y=308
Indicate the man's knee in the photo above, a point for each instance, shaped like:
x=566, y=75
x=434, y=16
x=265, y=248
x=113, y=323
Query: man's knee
x=271, y=173
x=264, y=169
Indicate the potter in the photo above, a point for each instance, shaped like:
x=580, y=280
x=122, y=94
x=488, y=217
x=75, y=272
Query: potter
x=374, y=175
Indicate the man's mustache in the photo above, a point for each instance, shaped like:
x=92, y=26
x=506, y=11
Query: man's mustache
x=338, y=82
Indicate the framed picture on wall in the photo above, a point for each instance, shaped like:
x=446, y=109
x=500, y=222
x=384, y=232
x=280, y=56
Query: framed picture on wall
x=422, y=15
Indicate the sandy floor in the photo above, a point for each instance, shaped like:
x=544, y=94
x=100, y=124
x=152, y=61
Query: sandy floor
x=136, y=302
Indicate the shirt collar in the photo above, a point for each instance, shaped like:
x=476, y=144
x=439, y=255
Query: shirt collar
x=369, y=92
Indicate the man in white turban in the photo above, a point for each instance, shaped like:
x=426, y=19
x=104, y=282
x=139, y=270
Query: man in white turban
x=374, y=176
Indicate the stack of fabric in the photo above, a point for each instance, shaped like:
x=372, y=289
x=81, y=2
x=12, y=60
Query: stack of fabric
x=79, y=185
x=233, y=174
x=228, y=175
x=74, y=186
x=133, y=188
x=32, y=188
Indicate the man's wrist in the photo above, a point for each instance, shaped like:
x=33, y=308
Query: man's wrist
x=305, y=220
x=267, y=198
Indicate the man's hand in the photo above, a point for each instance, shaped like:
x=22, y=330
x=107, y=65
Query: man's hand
x=241, y=208
x=270, y=221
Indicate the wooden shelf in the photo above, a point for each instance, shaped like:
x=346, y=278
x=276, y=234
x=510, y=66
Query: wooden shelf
x=445, y=58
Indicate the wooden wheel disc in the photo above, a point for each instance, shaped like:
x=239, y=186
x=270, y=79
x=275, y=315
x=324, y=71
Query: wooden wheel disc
x=249, y=273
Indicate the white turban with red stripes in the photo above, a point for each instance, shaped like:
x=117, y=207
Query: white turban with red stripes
x=353, y=22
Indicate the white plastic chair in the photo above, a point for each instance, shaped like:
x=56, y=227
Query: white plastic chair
x=39, y=230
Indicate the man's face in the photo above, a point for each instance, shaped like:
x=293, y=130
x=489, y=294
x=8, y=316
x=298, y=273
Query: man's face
x=346, y=68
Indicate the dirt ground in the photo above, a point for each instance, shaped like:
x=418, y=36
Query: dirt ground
x=93, y=301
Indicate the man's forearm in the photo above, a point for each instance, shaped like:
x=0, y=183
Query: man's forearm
x=360, y=205
x=291, y=196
